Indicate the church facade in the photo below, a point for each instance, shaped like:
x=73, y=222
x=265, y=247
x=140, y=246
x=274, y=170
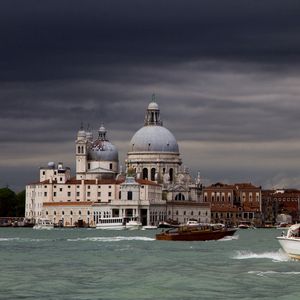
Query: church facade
x=154, y=187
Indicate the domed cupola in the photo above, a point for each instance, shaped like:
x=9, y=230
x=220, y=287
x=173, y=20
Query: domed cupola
x=153, y=151
x=153, y=136
x=89, y=134
x=101, y=149
x=81, y=134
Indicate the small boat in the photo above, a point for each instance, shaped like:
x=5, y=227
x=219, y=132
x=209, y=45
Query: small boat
x=149, y=227
x=291, y=241
x=192, y=223
x=246, y=225
x=133, y=224
x=283, y=225
x=43, y=224
x=203, y=232
x=115, y=223
x=118, y=223
x=165, y=224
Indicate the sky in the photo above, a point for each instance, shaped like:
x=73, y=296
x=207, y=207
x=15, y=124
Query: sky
x=225, y=74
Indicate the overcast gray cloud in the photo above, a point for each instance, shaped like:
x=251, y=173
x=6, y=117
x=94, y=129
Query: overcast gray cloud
x=226, y=76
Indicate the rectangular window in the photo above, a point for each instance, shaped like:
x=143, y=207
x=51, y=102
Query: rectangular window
x=129, y=195
x=54, y=194
x=69, y=194
x=60, y=189
x=78, y=194
x=109, y=194
x=99, y=194
x=88, y=194
x=45, y=194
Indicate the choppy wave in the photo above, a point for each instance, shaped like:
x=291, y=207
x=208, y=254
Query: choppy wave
x=8, y=239
x=230, y=238
x=267, y=273
x=112, y=239
x=24, y=240
x=275, y=256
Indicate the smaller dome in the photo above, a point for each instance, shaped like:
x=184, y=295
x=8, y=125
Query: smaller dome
x=89, y=135
x=81, y=134
x=153, y=106
x=103, y=151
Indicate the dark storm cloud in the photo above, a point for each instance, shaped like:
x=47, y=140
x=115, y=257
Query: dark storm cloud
x=69, y=39
x=226, y=75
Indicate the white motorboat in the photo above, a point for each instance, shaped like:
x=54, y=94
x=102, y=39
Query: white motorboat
x=118, y=223
x=149, y=227
x=192, y=223
x=115, y=223
x=133, y=224
x=43, y=224
x=291, y=241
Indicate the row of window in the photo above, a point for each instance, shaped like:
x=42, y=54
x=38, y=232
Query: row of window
x=184, y=213
x=231, y=215
x=71, y=212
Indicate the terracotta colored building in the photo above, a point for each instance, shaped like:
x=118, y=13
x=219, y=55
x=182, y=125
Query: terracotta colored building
x=276, y=202
x=234, y=203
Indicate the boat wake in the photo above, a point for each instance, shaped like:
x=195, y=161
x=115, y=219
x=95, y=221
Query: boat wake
x=274, y=256
x=25, y=240
x=270, y=273
x=8, y=239
x=230, y=238
x=112, y=239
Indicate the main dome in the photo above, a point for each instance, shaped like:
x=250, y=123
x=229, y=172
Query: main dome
x=153, y=138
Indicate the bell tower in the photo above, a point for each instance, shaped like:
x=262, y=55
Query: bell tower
x=81, y=153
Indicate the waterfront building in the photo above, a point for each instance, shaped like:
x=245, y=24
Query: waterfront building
x=278, y=202
x=154, y=188
x=234, y=203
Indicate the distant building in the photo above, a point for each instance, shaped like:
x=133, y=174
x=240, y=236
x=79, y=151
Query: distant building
x=234, y=203
x=280, y=201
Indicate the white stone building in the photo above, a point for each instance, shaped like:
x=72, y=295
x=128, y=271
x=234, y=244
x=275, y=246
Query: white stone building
x=154, y=184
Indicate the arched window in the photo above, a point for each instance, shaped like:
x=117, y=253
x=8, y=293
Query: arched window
x=78, y=149
x=179, y=197
x=145, y=173
x=82, y=151
x=153, y=174
x=171, y=174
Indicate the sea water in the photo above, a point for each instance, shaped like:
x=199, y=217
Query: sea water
x=102, y=264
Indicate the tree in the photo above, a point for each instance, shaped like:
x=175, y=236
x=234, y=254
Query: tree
x=20, y=204
x=7, y=202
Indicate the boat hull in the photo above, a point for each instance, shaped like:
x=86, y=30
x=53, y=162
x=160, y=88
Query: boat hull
x=291, y=246
x=195, y=235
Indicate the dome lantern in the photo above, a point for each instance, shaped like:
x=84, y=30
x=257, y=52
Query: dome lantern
x=102, y=133
x=152, y=116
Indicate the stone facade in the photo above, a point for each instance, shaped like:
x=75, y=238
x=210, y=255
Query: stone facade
x=154, y=182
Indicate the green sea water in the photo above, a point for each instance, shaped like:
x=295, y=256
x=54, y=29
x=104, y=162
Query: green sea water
x=98, y=264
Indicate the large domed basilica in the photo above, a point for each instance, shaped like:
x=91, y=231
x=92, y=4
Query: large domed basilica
x=155, y=186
